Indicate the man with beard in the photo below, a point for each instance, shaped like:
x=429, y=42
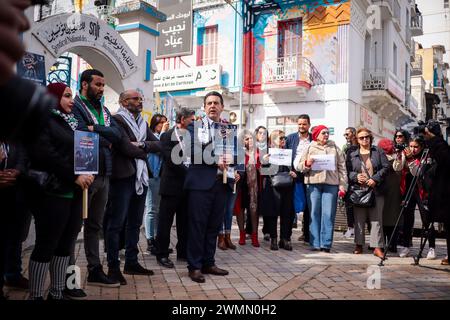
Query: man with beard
x=94, y=117
x=298, y=142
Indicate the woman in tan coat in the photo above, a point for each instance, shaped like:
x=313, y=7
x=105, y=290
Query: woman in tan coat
x=322, y=186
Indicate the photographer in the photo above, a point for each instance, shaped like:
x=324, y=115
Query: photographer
x=440, y=177
x=413, y=155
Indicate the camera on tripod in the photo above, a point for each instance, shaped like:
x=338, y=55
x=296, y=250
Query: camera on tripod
x=433, y=126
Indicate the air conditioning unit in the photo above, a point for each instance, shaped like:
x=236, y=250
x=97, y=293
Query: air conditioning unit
x=235, y=117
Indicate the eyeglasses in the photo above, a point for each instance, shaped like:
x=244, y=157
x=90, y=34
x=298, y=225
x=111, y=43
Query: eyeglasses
x=346, y=134
x=364, y=137
x=282, y=138
x=399, y=136
x=325, y=132
x=135, y=98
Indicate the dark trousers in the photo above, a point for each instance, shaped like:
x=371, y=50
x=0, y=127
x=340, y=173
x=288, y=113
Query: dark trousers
x=58, y=222
x=19, y=219
x=408, y=223
x=98, y=197
x=306, y=220
x=127, y=206
x=447, y=232
x=170, y=205
x=350, y=215
x=389, y=232
x=205, y=218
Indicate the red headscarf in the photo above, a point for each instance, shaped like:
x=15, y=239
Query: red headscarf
x=57, y=89
x=317, y=130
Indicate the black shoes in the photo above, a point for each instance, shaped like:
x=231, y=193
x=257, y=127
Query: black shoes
x=165, y=262
x=98, y=278
x=117, y=276
x=196, y=276
x=285, y=244
x=327, y=250
x=273, y=244
x=137, y=269
x=215, y=271
x=21, y=283
x=74, y=294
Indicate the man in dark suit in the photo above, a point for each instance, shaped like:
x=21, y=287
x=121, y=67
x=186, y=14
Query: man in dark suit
x=173, y=197
x=302, y=138
x=207, y=193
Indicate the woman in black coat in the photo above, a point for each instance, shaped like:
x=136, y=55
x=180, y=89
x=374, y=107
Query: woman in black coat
x=58, y=211
x=276, y=202
x=440, y=186
x=368, y=166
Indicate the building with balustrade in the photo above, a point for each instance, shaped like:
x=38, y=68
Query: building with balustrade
x=343, y=62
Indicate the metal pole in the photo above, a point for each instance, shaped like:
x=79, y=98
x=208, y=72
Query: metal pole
x=241, y=86
x=241, y=89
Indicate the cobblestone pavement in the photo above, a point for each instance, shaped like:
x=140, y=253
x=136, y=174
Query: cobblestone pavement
x=259, y=273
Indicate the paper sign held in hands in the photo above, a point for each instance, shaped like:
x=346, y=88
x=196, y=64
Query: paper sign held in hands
x=280, y=157
x=324, y=162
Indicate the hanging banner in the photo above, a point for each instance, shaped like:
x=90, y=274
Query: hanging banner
x=60, y=33
x=175, y=34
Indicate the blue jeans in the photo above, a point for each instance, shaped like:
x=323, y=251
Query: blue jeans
x=152, y=208
x=126, y=207
x=229, y=208
x=322, y=202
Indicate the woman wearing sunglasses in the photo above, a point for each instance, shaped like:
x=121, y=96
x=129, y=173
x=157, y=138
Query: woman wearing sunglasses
x=368, y=166
x=322, y=186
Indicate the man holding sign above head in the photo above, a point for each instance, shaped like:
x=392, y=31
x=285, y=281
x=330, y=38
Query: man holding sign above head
x=323, y=165
x=207, y=192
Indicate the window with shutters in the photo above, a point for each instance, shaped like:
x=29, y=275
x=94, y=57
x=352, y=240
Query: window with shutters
x=208, y=46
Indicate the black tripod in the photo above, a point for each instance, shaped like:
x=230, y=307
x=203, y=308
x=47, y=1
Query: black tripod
x=426, y=225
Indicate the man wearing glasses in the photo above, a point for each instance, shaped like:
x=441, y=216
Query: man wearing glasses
x=129, y=185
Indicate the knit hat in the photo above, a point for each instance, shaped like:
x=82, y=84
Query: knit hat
x=57, y=89
x=387, y=145
x=317, y=130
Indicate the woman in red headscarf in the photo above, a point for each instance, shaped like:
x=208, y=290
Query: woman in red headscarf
x=58, y=211
x=322, y=186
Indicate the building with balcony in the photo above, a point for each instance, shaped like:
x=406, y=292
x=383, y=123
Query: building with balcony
x=304, y=57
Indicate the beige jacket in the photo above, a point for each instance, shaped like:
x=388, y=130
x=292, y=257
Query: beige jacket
x=338, y=177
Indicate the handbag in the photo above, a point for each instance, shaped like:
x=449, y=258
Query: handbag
x=43, y=180
x=282, y=180
x=362, y=196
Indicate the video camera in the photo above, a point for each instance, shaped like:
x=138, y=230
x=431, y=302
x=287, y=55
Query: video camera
x=432, y=125
x=401, y=146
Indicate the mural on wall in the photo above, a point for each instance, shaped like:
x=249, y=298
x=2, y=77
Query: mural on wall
x=320, y=39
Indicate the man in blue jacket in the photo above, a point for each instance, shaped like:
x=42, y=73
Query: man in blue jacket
x=298, y=142
x=207, y=193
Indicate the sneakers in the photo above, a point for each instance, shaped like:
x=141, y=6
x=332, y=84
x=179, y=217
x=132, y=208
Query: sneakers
x=74, y=294
x=97, y=277
x=404, y=252
x=431, y=254
x=350, y=233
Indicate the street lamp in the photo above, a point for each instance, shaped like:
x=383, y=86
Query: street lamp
x=241, y=86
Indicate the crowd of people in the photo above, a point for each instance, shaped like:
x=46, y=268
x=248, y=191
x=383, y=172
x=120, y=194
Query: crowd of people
x=150, y=173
